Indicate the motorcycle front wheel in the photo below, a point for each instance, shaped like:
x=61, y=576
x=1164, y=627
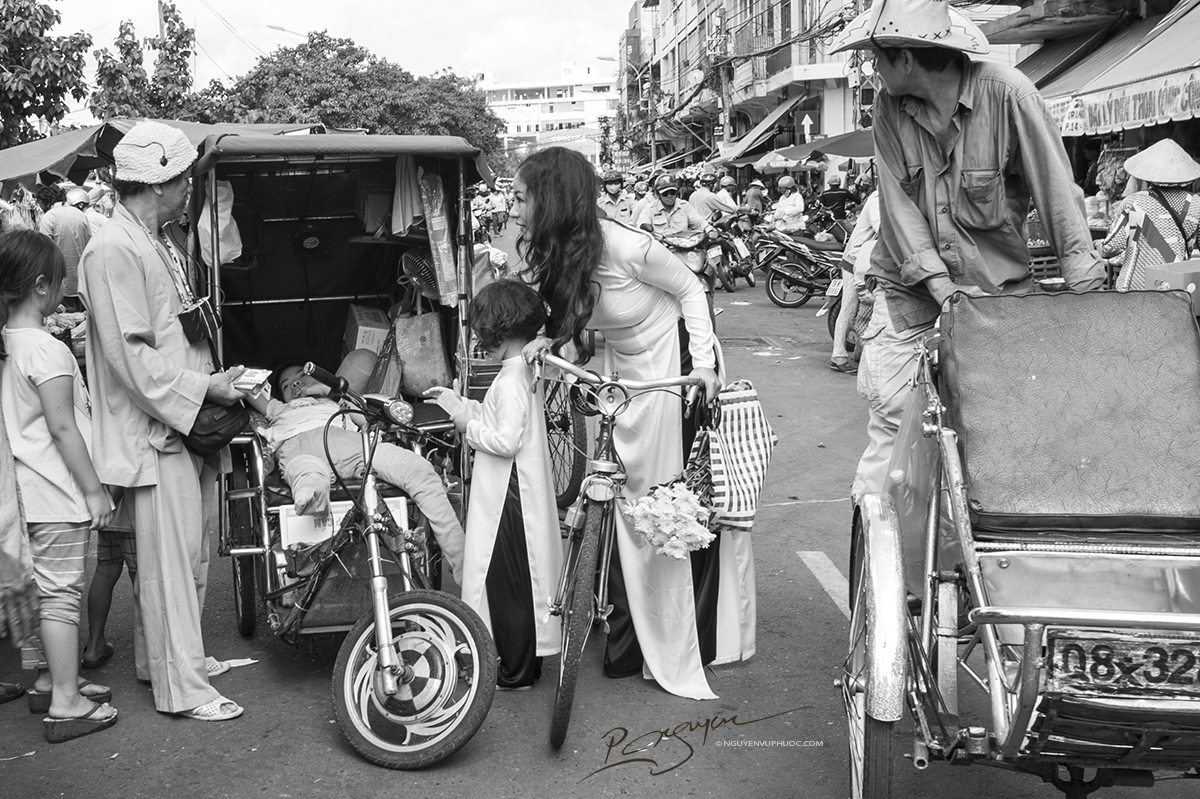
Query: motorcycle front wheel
x=445, y=691
x=785, y=291
x=723, y=276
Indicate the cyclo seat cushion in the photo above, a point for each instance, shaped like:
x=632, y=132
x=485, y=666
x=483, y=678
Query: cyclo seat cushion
x=1076, y=411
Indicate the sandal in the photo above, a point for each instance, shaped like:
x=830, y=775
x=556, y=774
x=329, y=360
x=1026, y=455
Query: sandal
x=39, y=701
x=100, y=661
x=214, y=667
x=10, y=691
x=843, y=365
x=214, y=710
x=60, y=730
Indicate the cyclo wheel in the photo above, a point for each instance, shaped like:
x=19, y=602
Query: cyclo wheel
x=434, y=714
x=579, y=611
x=785, y=292
x=566, y=432
x=870, y=739
x=245, y=598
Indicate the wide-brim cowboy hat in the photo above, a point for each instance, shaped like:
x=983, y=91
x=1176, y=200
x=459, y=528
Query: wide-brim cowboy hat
x=911, y=23
x=1163, y=162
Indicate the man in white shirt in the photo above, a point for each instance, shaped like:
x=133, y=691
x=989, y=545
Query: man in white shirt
x=789, y=210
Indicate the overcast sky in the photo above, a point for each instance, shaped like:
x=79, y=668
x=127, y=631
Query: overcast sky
x=516, y=40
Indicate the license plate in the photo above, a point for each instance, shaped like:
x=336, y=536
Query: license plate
x=743, y=251
x=714, y=253
x=1128, y=664
x=835, y=288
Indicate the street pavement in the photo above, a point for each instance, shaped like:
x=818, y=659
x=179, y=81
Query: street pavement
x=777, y=729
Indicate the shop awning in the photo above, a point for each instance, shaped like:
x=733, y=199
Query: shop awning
x=1149, y=74
x=1056, y=57
x=855, y=144
x=79, y=151
x=760, y=131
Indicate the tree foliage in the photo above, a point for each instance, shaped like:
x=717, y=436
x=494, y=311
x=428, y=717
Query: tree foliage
x=336, y=82
x=37, y=71
x=125, y=89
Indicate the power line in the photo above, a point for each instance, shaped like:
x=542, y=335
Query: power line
x=213, y=60
x=233, y=30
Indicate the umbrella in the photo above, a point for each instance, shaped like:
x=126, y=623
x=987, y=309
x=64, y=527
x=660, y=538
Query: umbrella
x=774, y=162
x=79, y=151
x=855, y=144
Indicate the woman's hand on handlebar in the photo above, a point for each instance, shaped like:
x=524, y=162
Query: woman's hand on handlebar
x=712, y=383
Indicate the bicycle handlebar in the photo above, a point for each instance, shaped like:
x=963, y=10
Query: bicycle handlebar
x=693, y=383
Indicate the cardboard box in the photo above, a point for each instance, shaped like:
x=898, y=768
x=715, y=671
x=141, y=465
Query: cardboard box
x=366, y=328
x=1181, y=275
x=296, y=529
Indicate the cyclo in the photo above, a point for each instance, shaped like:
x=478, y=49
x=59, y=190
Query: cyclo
x=1039, y=536
x=415, y=675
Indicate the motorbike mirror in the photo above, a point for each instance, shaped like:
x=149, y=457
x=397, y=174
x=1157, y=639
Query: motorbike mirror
x=714, y=216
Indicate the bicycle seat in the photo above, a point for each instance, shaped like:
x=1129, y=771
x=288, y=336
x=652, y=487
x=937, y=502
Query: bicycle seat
x=1076, y=412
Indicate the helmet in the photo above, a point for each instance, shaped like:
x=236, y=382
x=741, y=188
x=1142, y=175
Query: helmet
x=77, y=196
x=786, y=182
x=665, y=182
x=758, y=183
x=835, y=181
x=641, y=187
x=708, y=177
x=612, y=176
x=728, y=181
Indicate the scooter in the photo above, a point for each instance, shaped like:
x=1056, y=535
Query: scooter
x=738, y=259
x=797, y=267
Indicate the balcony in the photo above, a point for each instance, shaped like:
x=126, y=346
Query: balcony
x=778, y=61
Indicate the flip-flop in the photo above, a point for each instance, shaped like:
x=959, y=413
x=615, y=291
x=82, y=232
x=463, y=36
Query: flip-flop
x=100, y=661
x=39, y=701
x=10, y=691
x=214, y=710
x=61, y=730
x=214, y=667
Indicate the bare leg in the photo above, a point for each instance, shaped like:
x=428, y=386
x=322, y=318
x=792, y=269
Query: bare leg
x=845, y=315
x=98, y=604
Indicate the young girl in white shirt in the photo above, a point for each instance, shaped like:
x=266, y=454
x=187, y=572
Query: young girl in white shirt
x=514, y=547
x=47, y=417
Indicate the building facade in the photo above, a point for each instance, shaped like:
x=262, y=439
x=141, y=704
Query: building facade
x=574, y=111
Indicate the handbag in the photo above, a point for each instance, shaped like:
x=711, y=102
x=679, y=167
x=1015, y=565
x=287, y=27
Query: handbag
x=420, y=349
x=740, y=445
x=215, y=426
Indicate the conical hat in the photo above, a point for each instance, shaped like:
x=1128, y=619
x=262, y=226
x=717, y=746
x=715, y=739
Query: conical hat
x=1163, y=162
x=911, y=23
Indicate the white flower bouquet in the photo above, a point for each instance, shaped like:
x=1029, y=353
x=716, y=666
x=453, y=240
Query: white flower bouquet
x=672, y=519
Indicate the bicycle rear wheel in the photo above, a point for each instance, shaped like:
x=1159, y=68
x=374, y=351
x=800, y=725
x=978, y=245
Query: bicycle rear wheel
x=579, y=611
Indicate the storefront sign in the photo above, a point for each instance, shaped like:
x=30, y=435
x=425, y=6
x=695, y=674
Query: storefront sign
x=1148, y=102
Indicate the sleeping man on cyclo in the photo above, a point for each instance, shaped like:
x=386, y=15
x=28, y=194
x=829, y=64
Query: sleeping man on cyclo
x=297, y=436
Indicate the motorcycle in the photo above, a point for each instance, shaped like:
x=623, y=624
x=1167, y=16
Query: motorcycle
x=797, y=267
x=737, y=253
x=690, y=246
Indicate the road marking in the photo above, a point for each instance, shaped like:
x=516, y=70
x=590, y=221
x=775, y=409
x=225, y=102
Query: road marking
x=830, y=578
x=803, y=502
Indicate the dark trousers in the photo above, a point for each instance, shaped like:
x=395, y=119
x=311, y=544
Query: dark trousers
x=510, y=597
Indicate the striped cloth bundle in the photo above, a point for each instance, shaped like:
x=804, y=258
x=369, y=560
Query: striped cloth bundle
x=740, y=445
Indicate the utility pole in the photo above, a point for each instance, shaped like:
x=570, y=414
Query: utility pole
x=856, y=62
x=721, y=59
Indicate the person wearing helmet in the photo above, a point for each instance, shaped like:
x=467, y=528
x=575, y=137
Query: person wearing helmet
x=78, y=198
x=100, y=208
x=667, y=214
x=68, y=226
x=789, y=211
x=706, y=201
x=728, y=191
x=835, y=198
x=614, y=202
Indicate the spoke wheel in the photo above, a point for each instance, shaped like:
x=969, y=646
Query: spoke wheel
x=450, y=663
x=786, y=292
x=578, y=612
x=566, y=432
x=870, y=739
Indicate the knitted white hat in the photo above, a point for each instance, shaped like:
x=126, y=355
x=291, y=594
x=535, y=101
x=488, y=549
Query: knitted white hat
x=152, y=153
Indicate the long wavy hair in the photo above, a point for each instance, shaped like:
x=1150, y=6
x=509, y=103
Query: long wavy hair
x=562, y=241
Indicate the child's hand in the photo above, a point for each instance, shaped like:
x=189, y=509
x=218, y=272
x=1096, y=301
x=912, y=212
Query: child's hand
x=535, y=348
x=100, y=506
x=446, y=398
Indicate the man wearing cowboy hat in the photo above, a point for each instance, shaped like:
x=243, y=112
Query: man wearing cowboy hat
x=962, y=148
x=148, y=382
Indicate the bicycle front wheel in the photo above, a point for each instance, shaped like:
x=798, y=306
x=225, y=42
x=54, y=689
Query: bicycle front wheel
x=566, y=433
x=579, y=611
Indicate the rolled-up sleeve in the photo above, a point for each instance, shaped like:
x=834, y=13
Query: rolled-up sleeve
x=1047, y=173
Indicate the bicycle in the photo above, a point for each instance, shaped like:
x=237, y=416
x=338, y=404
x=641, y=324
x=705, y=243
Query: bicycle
x=416, y=675
x=581, y=600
